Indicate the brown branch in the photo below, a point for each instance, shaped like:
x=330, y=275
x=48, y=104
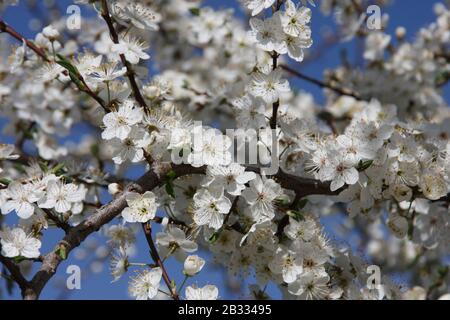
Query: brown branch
x=15, y=273
x=7, y=29
x=41, y=53
x=276, y=104
x=275, y=55
x=157, y=259
x=321, y=84
x=60, y=224
x=130, y=72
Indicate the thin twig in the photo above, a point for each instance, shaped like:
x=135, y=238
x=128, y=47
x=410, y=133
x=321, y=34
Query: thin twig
x=130, y=72
x=275, y=55
x=157, y=259
x=41, y=53
x=15, y=273
x=59, y=223
x=344, y=92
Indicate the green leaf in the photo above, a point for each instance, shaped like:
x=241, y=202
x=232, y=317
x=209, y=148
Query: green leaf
x=58, y=169
x=67, y=64
x=19, y=168
x=74, y=74
x=302, y=204
x=5, y=181
x=363, y=165
x=19, y=259
x=298, y=216
x=283, y=202
x=62, y=252
x=215, y=236
x=171, y=175
x=195, y=11
x=43, y=165
x=95, y=150
x=443, y=271
x=169, y=189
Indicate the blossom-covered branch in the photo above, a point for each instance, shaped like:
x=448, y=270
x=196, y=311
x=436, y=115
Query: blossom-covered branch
x=238, y=162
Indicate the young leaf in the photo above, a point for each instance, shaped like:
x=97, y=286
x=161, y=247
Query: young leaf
x=195, y=11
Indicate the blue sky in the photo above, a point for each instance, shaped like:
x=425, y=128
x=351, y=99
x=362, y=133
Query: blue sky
x=407, y=13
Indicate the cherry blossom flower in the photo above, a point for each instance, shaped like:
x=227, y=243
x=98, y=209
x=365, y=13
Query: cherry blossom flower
x=210, y=208
x=119, y=264
x=231, y=178
x=131, y=148
x=269, y=87
x=145, y=285
x=175, y=239
x=210, y=147
x=256, y=6
x=141, y=208
x=16, y=243
x=260, y=197
x=21, y=199
x=62, y=197
x=132, y=49
x=118, y=124
x=311, y=285
x=208, y=292
x=267, y=34
x=294, y=21
x=288, y=263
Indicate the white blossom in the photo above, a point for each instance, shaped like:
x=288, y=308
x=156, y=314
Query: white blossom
x=141, y=207
x=145, y=285
x=118, y=124
x=210, y=208
x=21, y=199
x=269, y=87
x=17, y=243
x=208, y=292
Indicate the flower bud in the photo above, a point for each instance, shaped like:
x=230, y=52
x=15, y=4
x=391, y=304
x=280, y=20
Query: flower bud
x=192, y=265
x=50, y=33
x=114, y=188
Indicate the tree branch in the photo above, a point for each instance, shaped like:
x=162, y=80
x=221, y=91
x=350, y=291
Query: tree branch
x=60, y=224
x=321, y=84
x=130, y=72
x=157, y=259
x=15, y=273
x=41, y=53
x=76, y=235
x=275, y=55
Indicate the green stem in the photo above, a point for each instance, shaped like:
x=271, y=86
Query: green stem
x=183, y=283
x=109, y=92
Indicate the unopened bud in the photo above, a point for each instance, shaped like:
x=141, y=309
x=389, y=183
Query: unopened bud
x=114, y=188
